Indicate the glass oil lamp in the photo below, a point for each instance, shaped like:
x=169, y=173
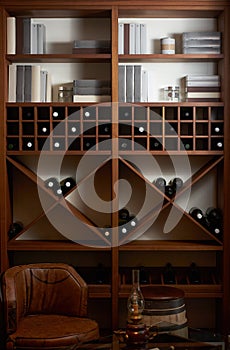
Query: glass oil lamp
x=136, y=331
x=136, y=300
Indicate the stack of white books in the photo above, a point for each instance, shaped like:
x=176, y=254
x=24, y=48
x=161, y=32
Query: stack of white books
x=201, y=42
x=202, y=87
x=91, y=90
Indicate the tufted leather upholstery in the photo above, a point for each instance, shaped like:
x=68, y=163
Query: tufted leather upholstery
x=46, y=307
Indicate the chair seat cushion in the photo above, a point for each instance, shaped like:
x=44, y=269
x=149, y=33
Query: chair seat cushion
x=42, y=330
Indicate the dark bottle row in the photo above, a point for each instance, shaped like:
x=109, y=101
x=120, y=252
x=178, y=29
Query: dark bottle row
x=102, y=141
x=168, y=275
x=172, y=275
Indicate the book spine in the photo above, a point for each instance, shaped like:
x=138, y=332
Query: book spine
x=20, y=83
x=35, y=84
x=202, y=100
x=138, y=39
x=11, y=36
x=202, y=83
x=137, y=83
x=19, y=35
x=43, y=85
x=203, y=94
x=132, y=38
x=91, y=98
x=126, y=38
x=33, y=37
x=48, y=88
x=201, y=35
x=12, y=83
x=202, y=89
x=129, y=83
x=143, y=34
x=41, y=39
x=121, y=83
x=201, y=50
x=26, y=35
x=120, y=38
x=144, y=90
x=202, y=77
x=27, y=86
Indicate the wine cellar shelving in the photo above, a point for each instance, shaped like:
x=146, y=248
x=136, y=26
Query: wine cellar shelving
x=118, y=139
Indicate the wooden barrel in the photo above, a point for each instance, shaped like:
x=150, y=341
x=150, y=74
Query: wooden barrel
x=165, y=309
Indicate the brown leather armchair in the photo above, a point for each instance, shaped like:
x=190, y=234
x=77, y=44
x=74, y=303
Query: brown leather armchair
x=45, y=307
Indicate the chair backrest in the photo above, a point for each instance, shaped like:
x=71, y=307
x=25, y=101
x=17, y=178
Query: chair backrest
x=43, y=288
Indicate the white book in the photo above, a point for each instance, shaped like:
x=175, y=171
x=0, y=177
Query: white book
x=20, y=83
x=138, y=38
x=11, y=36
x=129, y=83
x=152, y=91
x=132, y=38
x=41, y=38
x=137, y=83
x=203, y=83
x=91, y=98
x=12, y=83
x=203, y=94
x=120, y=38
x=121, y=83
x=48, y=88
x=33, y=38
x=43, y=85
x=36, y=84
x=202, y=77
x=144, y=90
x=143, y=33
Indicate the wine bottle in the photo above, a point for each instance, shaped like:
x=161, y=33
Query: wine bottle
x=43, y=129
x=67, y=184
x=51, y=182
x=54, y=185
x=123, y=226
x=160, y=183
x=100, y=276
x=104, y=129
x=140, y=130
x=169, y=275
x=14, y=229
x=197, y=214
x=194, y=274
x=28, y=145
x=186, y=113
x=187, y=144
x=177, y=183
x=89, y=143
x=169, y=191
x=144, y=276
x=132, y=221
x=123, y=214
x=214, y=215
x=217, y=145
x=155, y=144
x=216, y=129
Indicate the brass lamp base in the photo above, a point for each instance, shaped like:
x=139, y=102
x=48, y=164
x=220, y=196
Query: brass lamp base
x=137, y=335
